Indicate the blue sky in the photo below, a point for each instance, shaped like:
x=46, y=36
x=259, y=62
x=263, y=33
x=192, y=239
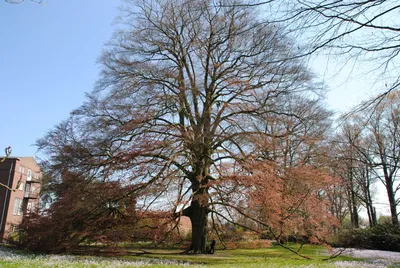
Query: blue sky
x=48, y=59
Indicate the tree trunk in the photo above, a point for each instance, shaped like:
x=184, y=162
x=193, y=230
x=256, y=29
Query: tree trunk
x=353, y=209
x=370, y=210
x=392, y=203
x=198, y=214
x=369, y=203
x=375, y=221
x=353, y=206
x=371, y=215
x=356, y=223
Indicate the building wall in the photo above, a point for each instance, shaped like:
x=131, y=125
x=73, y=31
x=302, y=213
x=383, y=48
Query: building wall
x=25, y=182
x=6, y=178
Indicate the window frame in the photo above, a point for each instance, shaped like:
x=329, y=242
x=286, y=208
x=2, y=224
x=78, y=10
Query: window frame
x=29, y=175
x=22, y=169
x=17, y=208
x=21, y=186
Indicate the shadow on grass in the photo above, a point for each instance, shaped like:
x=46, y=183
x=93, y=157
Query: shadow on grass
x=275, y=255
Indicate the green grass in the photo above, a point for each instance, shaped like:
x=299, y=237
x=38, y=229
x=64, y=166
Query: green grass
x=269, y=257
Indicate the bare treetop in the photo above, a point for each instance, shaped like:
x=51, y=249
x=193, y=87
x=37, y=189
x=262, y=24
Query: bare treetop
x=364, y=35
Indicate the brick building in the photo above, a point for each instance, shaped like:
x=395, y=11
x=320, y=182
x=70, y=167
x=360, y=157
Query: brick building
x=23, y=176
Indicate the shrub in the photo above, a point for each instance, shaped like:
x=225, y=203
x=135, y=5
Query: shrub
x=84, y=212
x=382, y=237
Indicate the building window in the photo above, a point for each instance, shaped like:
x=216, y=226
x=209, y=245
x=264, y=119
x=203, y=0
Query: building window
x=29, y=175
x=20, y=207
x=17, y=209
x=21, y=186
x=36, y=176
x=27, y=189
x=31, y=207
x=22, y=169
x=16, y=204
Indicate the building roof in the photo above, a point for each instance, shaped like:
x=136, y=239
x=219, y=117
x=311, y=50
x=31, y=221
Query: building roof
x=25, y=160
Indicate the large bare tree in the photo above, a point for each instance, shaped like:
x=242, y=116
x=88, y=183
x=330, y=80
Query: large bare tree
x=183, y=88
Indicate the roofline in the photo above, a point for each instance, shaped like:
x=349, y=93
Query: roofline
x=9, y=157
x=34, y=159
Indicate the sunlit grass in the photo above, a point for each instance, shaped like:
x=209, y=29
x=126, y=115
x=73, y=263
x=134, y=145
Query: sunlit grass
x=268, y=257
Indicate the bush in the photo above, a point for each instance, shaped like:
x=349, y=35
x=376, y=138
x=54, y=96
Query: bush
x=381, y=237
x=84, y=212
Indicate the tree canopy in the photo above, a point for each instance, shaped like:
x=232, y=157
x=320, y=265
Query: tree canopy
x=194, y=101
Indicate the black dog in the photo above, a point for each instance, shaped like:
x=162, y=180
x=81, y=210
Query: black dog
x=211, y=248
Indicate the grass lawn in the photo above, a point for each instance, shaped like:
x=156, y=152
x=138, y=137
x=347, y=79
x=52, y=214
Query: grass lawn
x=269, y=257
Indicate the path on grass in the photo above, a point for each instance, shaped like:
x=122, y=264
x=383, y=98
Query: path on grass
x=375, y=258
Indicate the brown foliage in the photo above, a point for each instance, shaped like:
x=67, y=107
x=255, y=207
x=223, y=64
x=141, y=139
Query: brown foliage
x=283, y=203
x=83, y=212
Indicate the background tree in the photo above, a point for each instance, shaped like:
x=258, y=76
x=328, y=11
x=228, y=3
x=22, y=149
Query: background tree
x=383, y=127
x=285, y=205
x=367, y=150
x=183, y=88
x=363, y=34
x=285, y=187
x=366, y=31
x=362, y=165
x=365, y=179
x=348, y=164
